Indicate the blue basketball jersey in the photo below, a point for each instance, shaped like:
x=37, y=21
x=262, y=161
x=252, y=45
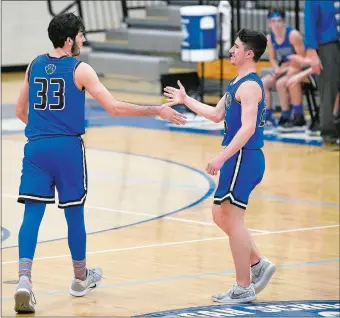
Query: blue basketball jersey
x=233, y=111
x=56, y=104
x=284, y=49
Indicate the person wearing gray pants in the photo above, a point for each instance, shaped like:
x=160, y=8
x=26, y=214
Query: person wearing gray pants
x=323, y=47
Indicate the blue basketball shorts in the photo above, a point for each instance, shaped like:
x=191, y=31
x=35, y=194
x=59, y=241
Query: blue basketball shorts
x=239, y=176
x=50, y=163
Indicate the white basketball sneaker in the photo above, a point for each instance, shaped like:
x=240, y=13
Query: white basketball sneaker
x=24, y=297
x=261, y=274
x=82, y=287
x=236, y=295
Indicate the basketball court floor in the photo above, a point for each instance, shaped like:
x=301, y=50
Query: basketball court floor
x=149, y=224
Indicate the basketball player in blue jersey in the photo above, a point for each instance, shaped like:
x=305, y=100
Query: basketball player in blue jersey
x=241, y=162
x=54, y=156
x=284, y=41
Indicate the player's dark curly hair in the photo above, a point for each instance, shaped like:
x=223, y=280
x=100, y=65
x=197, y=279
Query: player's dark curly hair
x=63, y=26
x=253, y=40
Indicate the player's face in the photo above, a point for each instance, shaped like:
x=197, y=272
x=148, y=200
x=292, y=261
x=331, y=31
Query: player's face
x=238, y=53
x=276, y=24
x=78, y=44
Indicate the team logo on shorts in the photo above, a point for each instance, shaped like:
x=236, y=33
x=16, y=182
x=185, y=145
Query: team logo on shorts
x=228, y=99
x=50, y=68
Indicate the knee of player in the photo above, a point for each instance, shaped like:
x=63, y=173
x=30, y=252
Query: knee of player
x=217, y=216
x=268, y=81
x=281, y=84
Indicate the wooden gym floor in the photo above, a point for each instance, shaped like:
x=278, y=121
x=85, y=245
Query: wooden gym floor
x=150, y=226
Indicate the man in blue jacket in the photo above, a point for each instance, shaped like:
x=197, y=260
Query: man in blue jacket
x=323, y=47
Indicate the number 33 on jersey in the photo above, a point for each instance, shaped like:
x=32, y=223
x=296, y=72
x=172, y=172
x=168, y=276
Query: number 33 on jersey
x=54, y=97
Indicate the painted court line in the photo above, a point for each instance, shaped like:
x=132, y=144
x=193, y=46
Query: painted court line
x=149, y=215
x=259, y=195
x=182, y=277
x=164, y=218
x=178, y=243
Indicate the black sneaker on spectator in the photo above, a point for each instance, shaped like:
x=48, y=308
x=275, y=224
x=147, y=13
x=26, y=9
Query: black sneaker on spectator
x=314, y=129
x=298, y=124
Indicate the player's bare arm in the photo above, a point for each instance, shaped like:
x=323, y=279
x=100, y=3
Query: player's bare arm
x=22, y=103
x=272, y=55
x=179, y=96
x=85, y=76
x=297, y=78
x=249, y=94
x=296, y=40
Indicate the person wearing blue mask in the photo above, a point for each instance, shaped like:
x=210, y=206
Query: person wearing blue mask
x=323, y=49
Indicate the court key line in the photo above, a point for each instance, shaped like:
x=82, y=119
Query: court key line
x=149, y=215
x=166, y=217
x=259, y=195
x=179, y=243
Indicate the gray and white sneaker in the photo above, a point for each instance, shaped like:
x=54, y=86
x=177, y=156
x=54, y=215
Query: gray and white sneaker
x=236, y=295
x=262, y=273
x=24, y=297
x=82, y=287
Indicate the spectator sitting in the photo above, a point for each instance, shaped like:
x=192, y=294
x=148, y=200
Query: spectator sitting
x=283, y=41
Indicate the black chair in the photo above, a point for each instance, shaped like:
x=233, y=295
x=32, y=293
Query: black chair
x=309, y=90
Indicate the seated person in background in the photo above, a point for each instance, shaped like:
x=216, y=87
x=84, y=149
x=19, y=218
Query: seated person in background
x=307, y=76
x=283, y=41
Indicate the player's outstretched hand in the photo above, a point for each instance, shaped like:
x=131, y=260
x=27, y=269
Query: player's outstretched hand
x=174, y=94
x=167, y=113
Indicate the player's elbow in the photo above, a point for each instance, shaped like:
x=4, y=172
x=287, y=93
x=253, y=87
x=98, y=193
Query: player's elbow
x=217, y=117
x=20, y=112
x=117, y=109
x=249, y=129
x=22, y=115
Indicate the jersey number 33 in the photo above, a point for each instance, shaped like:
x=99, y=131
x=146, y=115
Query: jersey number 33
x=57, y=86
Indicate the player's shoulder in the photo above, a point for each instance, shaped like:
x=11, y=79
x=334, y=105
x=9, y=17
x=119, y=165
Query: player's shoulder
x=83, y=66
x=38, y=58
x=84, y=70
x=250, y=87
x=294, y=34
x=83, y=73
x=251, y=83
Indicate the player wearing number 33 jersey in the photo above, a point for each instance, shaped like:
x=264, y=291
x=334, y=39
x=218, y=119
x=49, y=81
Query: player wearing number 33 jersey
x=56, y=103
x=56, y=113
x=52, y=105
x=244, y=170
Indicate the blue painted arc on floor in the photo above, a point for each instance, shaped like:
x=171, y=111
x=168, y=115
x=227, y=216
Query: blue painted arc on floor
x=303, y=308
x=208, y=192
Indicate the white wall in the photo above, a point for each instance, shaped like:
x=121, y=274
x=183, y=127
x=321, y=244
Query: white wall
x=24, y=31
x=24, y=27
x=25, y=23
